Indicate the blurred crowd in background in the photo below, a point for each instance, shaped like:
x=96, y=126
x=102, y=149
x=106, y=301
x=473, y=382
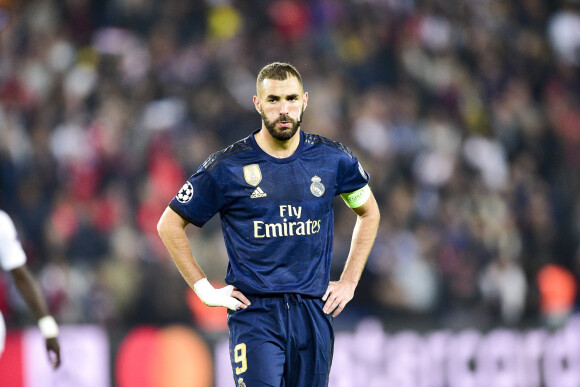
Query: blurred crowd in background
x=466, y=113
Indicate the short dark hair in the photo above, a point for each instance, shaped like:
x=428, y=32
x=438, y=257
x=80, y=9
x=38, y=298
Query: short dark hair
x=278, y=71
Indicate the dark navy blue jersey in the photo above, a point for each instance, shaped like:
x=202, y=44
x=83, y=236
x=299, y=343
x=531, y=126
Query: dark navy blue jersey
x=276, y=214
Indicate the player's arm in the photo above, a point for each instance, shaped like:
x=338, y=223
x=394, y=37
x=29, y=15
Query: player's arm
x=171, y=229
x=30, y=291
x=339, y=293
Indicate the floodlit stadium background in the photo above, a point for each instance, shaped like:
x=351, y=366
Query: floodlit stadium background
x=466, y=113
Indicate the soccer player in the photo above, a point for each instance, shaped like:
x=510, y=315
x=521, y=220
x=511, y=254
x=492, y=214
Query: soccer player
x=274, y=192
x=13, y=259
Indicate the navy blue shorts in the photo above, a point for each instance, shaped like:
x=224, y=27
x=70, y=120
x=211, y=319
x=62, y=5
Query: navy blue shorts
x=281, y=340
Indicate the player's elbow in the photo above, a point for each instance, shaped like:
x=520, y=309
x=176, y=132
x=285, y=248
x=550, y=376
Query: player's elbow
x=163, y=226
x=374, y=216
x=160, y=227
x=377, y=214
x=370, y=211
x=169, y=223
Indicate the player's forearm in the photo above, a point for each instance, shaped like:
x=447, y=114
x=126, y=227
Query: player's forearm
x=363, y=237
x=171, y=229
x=30, y=292
x=172, y=232
x=183, y=258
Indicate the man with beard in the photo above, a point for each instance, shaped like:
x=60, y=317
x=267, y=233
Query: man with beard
x=274, y=191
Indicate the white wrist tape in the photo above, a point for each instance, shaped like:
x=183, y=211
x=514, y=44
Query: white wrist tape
x=216, y=297
x=48, y=327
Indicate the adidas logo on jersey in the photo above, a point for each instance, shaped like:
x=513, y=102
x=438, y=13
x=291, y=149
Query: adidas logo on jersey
x=258, y=193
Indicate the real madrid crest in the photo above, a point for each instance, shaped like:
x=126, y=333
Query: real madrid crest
x=317, y=188
x=252, y=174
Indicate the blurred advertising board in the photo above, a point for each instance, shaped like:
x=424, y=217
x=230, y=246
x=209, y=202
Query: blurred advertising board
x=368, y=356
x=85, y=357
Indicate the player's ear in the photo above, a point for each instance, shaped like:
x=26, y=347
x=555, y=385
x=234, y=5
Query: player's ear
x=257, y=104
x=305, y=99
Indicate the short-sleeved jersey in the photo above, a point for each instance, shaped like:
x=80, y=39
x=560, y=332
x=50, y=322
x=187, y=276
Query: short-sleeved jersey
x=11, y=253
x=276, y=214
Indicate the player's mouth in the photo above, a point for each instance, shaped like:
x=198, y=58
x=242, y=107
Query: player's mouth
x=284, y=124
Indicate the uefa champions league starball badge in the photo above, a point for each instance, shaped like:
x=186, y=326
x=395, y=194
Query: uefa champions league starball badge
x=317, y=188
x=185, y=193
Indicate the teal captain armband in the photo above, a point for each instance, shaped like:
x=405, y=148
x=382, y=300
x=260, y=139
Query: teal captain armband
x=356, y=198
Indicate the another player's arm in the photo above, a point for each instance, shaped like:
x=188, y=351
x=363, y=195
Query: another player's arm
x=30, y=291
x=171, y=229
x=339, y=293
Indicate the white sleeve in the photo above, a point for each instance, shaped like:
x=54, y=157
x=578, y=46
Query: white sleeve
x=11, y=252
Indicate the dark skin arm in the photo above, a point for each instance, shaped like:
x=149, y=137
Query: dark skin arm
x=31, y=293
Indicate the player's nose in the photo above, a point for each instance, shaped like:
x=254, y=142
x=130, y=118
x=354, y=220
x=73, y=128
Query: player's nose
x=284, y=108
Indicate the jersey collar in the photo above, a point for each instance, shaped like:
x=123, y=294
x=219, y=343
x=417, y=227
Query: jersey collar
x=276, y=160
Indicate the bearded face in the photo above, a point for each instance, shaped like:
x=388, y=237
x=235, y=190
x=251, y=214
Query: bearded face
x=284, y=127
x=281, y=104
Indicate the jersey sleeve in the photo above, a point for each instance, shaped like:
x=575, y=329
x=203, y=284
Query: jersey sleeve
x=352, y=175
x=199, y=199
x=11, y=253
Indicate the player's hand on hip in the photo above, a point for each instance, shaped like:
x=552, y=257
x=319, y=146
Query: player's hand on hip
x=227, y=296
x=338, y=294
